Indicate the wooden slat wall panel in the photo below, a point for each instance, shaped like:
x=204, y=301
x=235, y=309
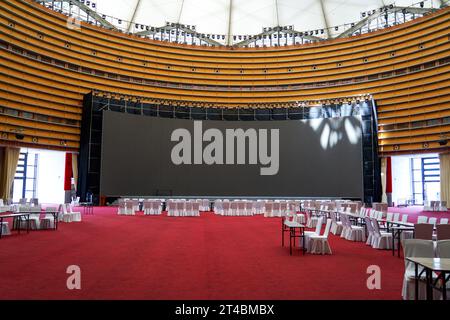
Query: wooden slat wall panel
x=405, y=68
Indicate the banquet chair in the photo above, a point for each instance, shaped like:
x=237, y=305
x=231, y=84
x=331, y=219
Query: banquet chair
x=404, y=218
x=313, y=218
x=171, y=208
x=241, y=208
x=381, y=239
x=205, y=205
x=225, y=208
x=218, y=207
x=47, y=220
x=319, y=243
x=5, y=228
x=299, y=217
x=66, y=216
x=188, y=209
x=443, y=232
x=76, y=214
x=283, y=208
x=396, y=216
x=336, y=226
x=419, y=249
x=268, y=209
x=276, y=209
x=316, y=232
x=443, y=221
x=422, y=219
x=196, y=209
x=156, y=207
x=354, y=233
x=134, y=206
x=180, y=208
x=233, y=208
x=423, y=231
x=443, y=250
x=370, y=231
x=249, y=207
x=443, y=206
x=147, y=207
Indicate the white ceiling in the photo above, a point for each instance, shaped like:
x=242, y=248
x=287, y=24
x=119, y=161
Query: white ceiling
x=243, y=17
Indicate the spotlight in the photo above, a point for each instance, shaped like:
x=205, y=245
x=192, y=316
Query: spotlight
x=443, y=142
x=422, y=4
x=336, y=28
x=20, y=136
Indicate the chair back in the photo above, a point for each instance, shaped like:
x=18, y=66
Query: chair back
x=417, y=248
x=443, y=232
x=369, y=224
x=389, y=216
x=396, y=216
x=319, y=225
x=422, y=219
x=443, y=221
x=327, y=228
x=156, y=204
x=405, y=218
x=443, y=249
x=423, y=231
x=376, y=227
x=147, y=204
x=196, y=207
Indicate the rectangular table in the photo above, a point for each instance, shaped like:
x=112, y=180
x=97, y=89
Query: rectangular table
x=293, y=227
x=430, y=265
x=53, y=213
x=15, y=216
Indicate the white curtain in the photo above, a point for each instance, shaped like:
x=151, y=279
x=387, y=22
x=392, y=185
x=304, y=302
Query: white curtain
x=75, y=169
x=383, y=179
x=444, y=160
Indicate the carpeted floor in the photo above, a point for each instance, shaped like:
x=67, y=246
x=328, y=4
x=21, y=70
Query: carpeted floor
x=414, y=211
x=207, y=257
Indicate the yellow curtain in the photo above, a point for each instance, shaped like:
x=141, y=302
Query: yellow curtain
x=10, y=160
x=383, y=179
x=444, y=160
x=75, y=169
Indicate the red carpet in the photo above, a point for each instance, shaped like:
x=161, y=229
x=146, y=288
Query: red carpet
x=414, y=211
x=210, y=257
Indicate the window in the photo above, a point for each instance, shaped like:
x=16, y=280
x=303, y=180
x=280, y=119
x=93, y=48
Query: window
x=425, y=179
x=25, y=178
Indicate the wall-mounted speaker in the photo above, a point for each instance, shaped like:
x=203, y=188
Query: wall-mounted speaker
x=20, y=136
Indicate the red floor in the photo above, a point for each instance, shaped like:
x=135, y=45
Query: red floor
x=414, y=211
x=210, y=257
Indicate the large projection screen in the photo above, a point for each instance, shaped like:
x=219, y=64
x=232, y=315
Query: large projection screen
x=150, y=156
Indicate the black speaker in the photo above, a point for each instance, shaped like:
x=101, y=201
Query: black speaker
x=443, y=142
x=20, y=136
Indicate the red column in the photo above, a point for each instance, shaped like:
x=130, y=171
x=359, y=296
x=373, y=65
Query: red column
x=68, y=173
x=388, y=175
